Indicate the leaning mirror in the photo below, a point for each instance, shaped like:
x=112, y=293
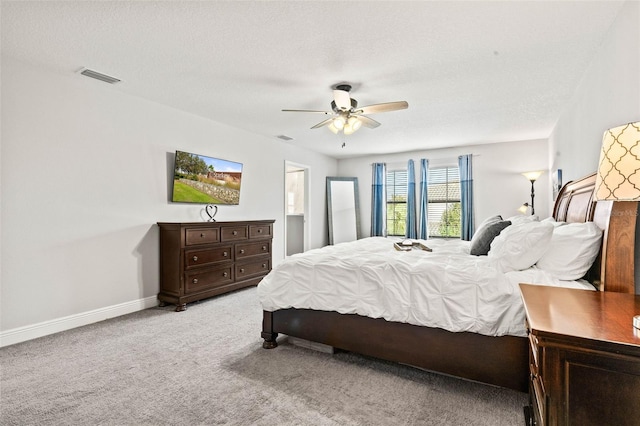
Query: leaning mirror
x=343, y=209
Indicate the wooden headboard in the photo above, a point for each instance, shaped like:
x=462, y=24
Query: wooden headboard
x=614, y=269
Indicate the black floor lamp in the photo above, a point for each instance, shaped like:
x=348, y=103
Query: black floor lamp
x=532, y=176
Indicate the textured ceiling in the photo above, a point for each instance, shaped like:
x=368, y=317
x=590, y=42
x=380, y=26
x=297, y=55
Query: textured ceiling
x=472, y=72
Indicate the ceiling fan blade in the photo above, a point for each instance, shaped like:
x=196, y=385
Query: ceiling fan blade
x=368, y=122
x=385, y=107
x=342, y=99
x=307, y=110
x=323, y=123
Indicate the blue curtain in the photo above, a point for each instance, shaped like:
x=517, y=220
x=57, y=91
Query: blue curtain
x=378, y=201
x=410, y=230
x=466, y=196
x=423, y=231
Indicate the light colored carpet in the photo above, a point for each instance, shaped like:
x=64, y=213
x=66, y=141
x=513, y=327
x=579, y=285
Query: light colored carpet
x=206, y=366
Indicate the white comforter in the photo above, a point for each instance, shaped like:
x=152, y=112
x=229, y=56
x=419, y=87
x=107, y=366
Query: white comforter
x=447, y=288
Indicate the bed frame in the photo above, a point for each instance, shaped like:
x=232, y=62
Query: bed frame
x=500, y=361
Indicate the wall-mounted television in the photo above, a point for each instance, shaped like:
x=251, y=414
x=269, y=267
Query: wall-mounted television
x=205, y=180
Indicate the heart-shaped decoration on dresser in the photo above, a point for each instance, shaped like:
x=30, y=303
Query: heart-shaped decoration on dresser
x=211, y=211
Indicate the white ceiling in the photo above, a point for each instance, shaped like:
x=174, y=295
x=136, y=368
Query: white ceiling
x=472, y=72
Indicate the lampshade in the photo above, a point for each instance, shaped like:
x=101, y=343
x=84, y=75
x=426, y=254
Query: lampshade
x=338, y=122
x=355, y=123
x=346, y=123
x=348, y=129
x=618, y=175
x=532, y=176
x=352, y=125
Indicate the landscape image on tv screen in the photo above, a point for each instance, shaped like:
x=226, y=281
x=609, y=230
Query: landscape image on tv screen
x=206, y=180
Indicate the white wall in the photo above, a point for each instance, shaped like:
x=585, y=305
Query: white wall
x=608, y=96
x=499, y=187
x=85, y=176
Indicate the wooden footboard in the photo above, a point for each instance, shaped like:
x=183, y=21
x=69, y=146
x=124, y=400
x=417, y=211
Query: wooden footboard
x=500, y=361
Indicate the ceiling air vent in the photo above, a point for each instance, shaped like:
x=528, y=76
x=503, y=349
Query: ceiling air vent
x=98, y=76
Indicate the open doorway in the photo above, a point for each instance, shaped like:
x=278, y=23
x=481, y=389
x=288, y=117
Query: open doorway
x=296, y=208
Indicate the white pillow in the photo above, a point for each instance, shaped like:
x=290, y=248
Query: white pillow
x=552, y=221
x=520, y=245
x=573, y=249
x=521, y=218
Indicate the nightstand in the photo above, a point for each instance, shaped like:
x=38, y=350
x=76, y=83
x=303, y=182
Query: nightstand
x=584, y=357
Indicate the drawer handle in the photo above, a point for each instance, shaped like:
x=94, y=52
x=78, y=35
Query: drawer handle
x=259, y=231
x=202, y=235
x=225, y=254
x=235, y=232
x=241, y=251
x=264, y=265
x=195, y=258
x=264, y=248
x=195, y=281
x=225, y=274
x=242, y=270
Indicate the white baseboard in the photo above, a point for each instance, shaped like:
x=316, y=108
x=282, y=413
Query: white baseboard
x=22, y=334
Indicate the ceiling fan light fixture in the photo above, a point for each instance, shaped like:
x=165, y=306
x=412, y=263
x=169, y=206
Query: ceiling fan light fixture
x=346, y=116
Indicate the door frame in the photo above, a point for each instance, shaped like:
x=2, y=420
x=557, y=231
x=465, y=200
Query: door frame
x=307, y=196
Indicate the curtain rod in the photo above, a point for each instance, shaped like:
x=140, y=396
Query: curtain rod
x=396, y=163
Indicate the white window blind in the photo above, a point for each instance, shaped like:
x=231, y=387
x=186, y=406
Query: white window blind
x=397, y=183
x=443, y=204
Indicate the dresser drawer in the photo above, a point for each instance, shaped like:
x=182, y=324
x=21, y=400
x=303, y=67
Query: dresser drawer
x=247, y=270
x=245, y=250
x=201, y=280
x=193, y=258
x=201, y=236
x=234, y=233
x=260, y=231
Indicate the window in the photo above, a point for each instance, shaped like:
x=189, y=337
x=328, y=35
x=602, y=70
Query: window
x=443, y=205
x=396, y=202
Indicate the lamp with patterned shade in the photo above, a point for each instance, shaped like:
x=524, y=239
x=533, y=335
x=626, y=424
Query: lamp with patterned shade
x=618, y=176
x=618, y=180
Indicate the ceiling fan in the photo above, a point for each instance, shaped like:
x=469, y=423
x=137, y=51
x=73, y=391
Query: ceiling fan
x=346, y=116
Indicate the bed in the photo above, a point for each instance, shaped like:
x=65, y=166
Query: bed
x=495, y=356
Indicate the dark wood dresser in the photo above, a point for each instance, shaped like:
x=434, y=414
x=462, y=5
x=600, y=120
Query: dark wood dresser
x=204, y=259
x=584, y=357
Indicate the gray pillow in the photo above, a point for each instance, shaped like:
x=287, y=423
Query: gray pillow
x=485, y=223
x=488, y=221
x=481, y=241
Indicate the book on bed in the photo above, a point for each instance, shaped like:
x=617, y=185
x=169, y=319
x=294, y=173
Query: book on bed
x=408, y=245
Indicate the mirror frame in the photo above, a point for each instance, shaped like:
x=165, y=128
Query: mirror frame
x=356, y=196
